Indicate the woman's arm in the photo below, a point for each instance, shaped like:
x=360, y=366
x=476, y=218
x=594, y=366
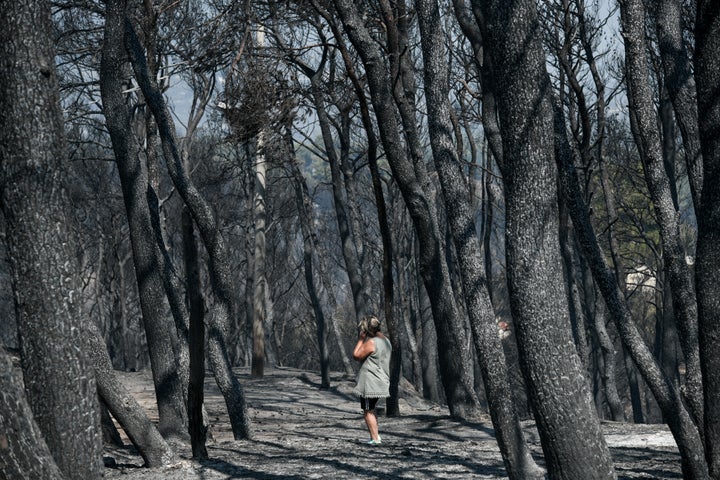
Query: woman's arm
x=364, y=347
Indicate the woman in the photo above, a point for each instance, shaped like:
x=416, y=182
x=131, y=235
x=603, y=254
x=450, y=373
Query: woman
x=373, y=349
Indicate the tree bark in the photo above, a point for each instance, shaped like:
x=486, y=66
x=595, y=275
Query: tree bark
x=131, y=416
x=392, y=404
x=457, y=382
x=41, y=244
x=680, y=422
x=204, y=218
x=646, y=134
x=259, y=170
x=196, y=340
x=169, y=390
x=707, y=73
x=680, y=85
x=511, y=440
x=569, y=428
x=24, y=455
x=607, y=368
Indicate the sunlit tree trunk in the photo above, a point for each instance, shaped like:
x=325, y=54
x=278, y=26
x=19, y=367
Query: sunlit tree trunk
x=259, y=254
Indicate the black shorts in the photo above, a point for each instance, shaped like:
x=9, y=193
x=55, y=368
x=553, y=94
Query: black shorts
x=368, y=404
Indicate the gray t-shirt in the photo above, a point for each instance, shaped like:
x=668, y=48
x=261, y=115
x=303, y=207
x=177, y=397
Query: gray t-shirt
x=374, y=376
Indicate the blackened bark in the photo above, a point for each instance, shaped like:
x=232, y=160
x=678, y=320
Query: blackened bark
x=171, y=281
x=24, y=455
x=646, y=135
x=305, y=217
x=204, y=218
x=403, y=86
x=577, y=319
x=679, y=420
x=41, y=244
x=110, y=433
x=131, y=416
x=707, y=73
x=196, y=340
x=392, y=404
x=568, y=425
x=169, y=389
x=607, y=367
x=516, y=455
x=680, y=85
x=461, y=398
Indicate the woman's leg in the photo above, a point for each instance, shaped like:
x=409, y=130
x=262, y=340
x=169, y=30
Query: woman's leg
x=368, y=407
x=372, y=424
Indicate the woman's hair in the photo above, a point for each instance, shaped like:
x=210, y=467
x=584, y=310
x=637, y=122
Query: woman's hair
x=370, y=325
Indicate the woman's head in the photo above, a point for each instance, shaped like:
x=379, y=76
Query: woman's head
x=370, y=325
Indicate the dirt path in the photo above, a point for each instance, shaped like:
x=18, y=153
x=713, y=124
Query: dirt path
x=304, y=432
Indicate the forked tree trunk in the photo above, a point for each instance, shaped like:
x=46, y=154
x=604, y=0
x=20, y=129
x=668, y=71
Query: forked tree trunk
x=204, y=218
x=169, y=389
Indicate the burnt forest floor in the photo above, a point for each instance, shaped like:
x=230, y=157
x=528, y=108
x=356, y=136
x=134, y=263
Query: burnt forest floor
x=301, y=431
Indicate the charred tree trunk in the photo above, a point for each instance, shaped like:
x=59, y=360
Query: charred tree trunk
x=41, y=245
x=680, y=422
x=392, y=404
x=196, y=337
x=680, y=86
x=516, y=455
x=28, y=457
x=131, y=416
x=537, y=299
x=135, y=186
x=461, y=398
x=647, y=139
x=707, y=73
x=204, y=218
